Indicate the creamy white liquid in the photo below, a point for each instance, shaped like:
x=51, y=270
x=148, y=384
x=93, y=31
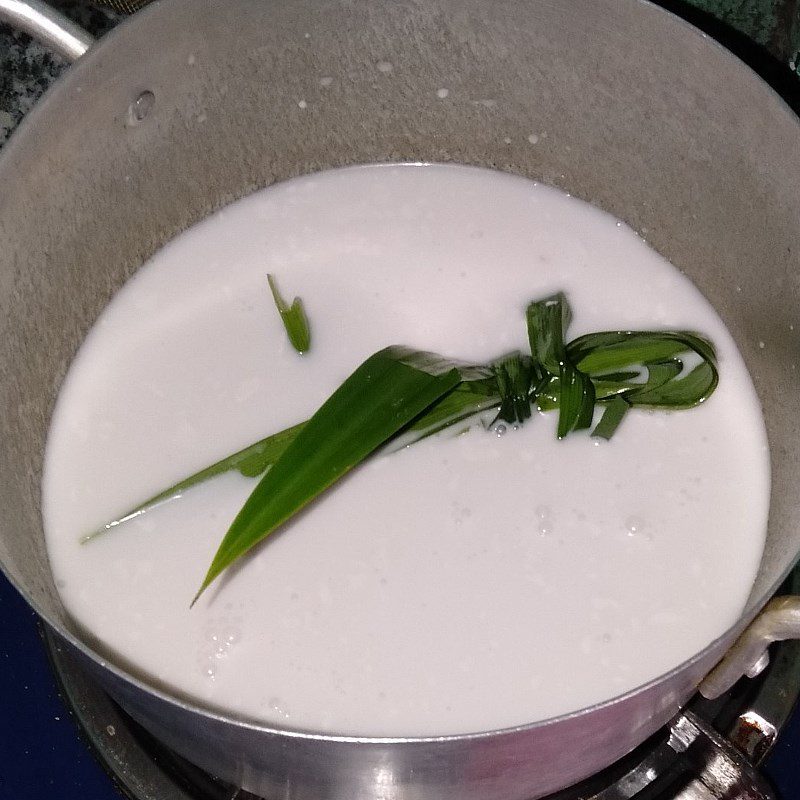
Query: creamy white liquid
x=461, y=585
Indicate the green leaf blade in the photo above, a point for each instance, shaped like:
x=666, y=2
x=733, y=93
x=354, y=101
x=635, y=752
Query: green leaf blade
x=389, y=390
x=250, y=462
x=514, y=375
x=400, y=396
x=661, y=353
x=576, y=401
x=632, y=352
x=548, y=321
x=466, y=400
x=681, y=393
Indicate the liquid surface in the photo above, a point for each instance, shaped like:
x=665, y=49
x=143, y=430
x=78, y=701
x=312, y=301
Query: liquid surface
x=464, y=584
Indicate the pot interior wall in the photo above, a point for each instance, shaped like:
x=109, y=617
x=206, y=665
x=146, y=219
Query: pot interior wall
x=612, y=100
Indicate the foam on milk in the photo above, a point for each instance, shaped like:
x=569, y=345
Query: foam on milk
x=463, y=584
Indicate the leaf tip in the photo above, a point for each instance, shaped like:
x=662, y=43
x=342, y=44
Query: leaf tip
x=200, y=591
x=210, y=577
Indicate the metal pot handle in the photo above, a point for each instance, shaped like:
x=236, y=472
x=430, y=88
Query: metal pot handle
x=48, y=26
x=749, y=655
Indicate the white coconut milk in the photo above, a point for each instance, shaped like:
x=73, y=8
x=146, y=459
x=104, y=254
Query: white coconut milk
x=466, y=583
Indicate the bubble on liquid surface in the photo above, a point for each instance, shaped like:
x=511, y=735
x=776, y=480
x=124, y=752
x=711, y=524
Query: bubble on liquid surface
x=218, y=639
x=636, y=527
x=277, y=705
x=544, y=514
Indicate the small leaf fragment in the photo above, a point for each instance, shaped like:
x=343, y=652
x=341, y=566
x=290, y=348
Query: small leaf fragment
x=615, y=410
x=294, y=318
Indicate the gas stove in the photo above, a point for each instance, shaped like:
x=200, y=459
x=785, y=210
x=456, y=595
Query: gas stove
x=61, y=737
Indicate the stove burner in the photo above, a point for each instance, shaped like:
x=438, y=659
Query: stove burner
x=708, y=752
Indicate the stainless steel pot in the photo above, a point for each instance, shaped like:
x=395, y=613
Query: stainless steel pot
x=194, y=103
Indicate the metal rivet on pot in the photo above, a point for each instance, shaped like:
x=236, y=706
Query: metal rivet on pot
x=140, y=108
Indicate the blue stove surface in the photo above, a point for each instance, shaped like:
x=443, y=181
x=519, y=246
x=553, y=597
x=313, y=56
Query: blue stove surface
x=42, y=756
x=41, y=753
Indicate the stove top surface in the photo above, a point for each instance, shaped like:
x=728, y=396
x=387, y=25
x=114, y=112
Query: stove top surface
x=42, y=753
